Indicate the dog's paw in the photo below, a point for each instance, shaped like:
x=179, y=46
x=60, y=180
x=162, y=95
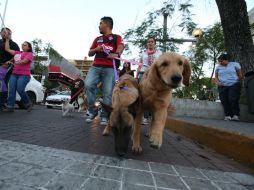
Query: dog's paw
x=105, y=132
x=155, y=141
x=148, y=133
x=156, y=146
x=136, y=149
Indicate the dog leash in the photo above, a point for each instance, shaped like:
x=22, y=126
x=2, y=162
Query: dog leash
x=133, y=62
x=107, y=51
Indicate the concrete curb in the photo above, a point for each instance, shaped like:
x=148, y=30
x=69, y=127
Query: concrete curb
x=233, y=145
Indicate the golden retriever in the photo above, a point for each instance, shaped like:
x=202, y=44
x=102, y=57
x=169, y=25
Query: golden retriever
x=165, y=74
x=122, y=114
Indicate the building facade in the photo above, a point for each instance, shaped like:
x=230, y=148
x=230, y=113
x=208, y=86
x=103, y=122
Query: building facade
x=82, y=65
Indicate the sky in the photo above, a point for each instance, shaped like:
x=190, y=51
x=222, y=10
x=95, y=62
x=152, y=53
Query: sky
x=72, y=25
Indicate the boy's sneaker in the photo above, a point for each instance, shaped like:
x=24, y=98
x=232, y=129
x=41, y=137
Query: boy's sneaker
x=227, y=118
x=235, y=118
x=90, y=117
x=8, y=110
x=104, y=121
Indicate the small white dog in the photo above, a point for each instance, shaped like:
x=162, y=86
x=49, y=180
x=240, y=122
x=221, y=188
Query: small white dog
x=67, y=109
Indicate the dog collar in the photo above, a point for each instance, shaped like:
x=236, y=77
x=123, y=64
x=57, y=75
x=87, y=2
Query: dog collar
x=124, y=87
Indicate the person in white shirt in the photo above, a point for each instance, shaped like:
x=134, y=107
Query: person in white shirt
x=148, y=56
x=147, y=59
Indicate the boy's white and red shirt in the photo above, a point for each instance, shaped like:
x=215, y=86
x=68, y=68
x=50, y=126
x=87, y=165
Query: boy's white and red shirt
x=108, y=42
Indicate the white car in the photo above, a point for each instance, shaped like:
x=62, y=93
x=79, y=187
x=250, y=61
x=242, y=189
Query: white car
x=34, y=90
x=56, y=100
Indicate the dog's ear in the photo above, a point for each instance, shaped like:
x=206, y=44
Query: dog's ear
x=108, y=108
x=133, y=108
x=186, y=72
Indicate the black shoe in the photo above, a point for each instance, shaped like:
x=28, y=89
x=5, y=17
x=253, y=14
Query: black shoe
x=7, y=110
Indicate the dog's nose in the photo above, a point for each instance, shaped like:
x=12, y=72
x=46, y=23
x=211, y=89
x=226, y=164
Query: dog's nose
x=176, y=78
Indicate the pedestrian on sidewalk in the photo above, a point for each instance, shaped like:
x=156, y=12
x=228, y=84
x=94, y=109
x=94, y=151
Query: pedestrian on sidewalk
x=6, y=57
x=20, y=75
x=102, y=68
x=126, y=69
x=228, y=77
x=147, y=59
x=148, y=56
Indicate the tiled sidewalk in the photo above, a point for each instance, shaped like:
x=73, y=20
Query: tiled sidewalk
x=29, y=167
x=45, y=127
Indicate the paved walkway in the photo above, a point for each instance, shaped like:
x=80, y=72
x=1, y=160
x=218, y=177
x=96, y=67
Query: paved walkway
x=41, y=150
x=25, y=167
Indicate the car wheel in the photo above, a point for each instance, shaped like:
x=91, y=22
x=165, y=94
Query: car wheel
x=50, y=107
x=32, y=97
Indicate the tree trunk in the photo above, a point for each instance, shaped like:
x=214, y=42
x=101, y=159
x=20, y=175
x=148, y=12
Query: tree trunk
x=237, y=34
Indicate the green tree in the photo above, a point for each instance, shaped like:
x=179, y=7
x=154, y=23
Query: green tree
x=151, y=26
x=211, y=45
x=40, y=52
x=40, y=67
x=208, y=48
x=236, y=29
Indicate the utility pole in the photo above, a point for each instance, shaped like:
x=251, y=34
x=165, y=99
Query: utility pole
x=165, y=34
x=2, y=18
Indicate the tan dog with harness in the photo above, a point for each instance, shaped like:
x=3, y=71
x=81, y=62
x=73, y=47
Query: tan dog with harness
x=125, y=103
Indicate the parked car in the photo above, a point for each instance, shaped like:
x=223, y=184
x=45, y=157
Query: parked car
x=34, y=90
x=56, y=100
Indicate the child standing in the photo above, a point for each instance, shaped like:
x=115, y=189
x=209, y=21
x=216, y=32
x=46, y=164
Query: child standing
x=3, y=85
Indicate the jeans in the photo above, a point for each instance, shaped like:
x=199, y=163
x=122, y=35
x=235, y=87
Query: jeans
x=140, y=75
x=3, y=99
x=229, y=97
x=146, y=113
x=94, y=76
x=18, y=83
